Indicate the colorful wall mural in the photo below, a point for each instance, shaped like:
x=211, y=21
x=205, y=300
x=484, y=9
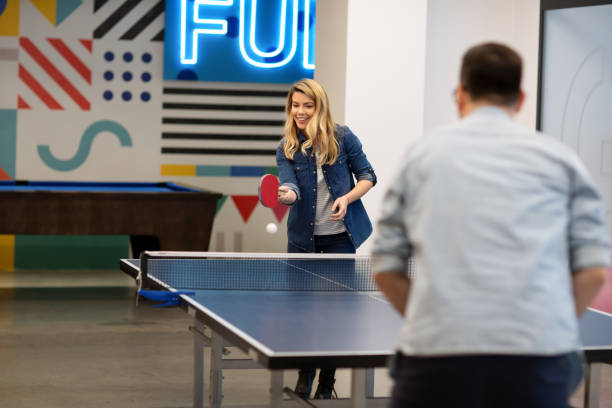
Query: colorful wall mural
x=85, y=97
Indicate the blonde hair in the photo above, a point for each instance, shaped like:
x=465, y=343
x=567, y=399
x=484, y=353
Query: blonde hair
x=320, y=128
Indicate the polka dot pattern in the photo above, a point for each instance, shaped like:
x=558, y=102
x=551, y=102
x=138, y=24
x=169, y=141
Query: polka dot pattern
x=127, y=76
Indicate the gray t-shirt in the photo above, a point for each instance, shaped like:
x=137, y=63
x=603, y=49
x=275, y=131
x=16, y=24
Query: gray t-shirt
x=323, y=225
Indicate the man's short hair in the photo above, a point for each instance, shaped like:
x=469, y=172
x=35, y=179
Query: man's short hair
x=492, y=72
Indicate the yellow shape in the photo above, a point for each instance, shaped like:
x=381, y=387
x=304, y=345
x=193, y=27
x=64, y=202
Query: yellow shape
x=9, y=19
x=7, y=253
x=178, y=170
x=47, y=8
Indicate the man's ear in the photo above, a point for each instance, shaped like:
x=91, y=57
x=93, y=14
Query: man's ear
x=519, y=102
x=462, y=99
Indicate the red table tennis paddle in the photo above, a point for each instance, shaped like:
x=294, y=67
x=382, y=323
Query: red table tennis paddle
x=268, y=190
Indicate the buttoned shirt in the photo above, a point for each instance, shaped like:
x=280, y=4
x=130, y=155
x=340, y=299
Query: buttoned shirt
x=496, y=218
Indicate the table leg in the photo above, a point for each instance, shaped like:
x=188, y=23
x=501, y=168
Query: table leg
x=369, y=385
x=591, y=385
x=198, y=368
x=216, y=370
x=276, y=388
x=358, y=388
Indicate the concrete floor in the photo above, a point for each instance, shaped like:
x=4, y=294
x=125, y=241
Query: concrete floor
x=76, y=339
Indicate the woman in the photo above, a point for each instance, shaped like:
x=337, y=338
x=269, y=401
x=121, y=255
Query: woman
x=317, y=161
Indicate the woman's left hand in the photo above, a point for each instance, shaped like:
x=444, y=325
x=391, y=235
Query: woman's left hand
x=339, y=206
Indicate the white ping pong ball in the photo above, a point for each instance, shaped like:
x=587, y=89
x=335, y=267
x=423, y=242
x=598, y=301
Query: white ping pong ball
x=271, y=228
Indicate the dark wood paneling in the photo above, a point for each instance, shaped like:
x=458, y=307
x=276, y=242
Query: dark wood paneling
x=181, y=220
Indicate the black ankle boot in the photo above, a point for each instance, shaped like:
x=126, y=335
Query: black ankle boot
x=304, y=384
x=325, y=390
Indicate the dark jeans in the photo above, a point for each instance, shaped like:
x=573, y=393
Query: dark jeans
x=481, y=381
x=328, y=244
x=576, y=363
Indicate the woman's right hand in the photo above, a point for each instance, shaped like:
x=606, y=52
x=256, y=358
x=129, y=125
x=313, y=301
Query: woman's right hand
x=286, y=195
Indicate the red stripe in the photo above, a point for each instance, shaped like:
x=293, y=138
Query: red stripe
x=71, y=57
x=37, y=88
x=87, y=44
x=21, y=104
x=53, y=72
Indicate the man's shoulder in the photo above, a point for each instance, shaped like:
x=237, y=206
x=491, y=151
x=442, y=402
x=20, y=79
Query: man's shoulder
x=544, y=141
x=503, y=127
x=508, y=133
x=557, y=148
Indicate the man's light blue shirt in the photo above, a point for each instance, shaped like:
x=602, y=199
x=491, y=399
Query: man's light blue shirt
x=496, y=217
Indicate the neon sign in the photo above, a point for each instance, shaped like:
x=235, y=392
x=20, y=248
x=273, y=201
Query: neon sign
x=239, y=40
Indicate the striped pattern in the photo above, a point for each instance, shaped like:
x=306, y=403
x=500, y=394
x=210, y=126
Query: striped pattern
x=323, y=225
x=229, y=129
x=216, y=171
x=54, y=73
x=129, y=19
x=72, y=58
x=7, y=253
x=38, y=89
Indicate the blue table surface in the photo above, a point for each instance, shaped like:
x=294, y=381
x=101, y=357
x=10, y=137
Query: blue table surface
x=596, y=329
x=11, y=185
x=333, y=323
x=288, y=322
x=325, y=323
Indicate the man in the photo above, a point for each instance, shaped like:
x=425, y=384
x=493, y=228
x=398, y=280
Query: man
x=510, y=245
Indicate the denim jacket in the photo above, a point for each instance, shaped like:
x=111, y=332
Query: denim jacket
x=300, y=175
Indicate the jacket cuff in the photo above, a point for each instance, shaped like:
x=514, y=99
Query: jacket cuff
x=370, y=176
x=293, y=187
x=366, y=176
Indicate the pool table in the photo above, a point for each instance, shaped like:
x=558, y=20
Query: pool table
x=166, y=216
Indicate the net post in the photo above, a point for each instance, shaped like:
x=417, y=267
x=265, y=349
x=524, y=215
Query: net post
x=144, y=263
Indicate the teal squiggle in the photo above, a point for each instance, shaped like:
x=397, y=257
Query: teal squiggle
x=85, y=146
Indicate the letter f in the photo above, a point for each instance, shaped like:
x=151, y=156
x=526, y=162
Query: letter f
x=192, y=26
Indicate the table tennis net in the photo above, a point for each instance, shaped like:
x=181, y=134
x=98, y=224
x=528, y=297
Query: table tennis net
x=278, y=273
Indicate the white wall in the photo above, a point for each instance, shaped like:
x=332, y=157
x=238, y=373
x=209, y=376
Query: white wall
x=454, y=26
x=403, y=63
x=331, y=53
x=384, y=83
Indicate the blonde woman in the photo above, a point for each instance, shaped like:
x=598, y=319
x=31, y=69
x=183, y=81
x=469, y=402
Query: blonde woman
x=318, y=162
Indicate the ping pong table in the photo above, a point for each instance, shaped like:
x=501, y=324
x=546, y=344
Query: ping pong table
x=290, y=311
